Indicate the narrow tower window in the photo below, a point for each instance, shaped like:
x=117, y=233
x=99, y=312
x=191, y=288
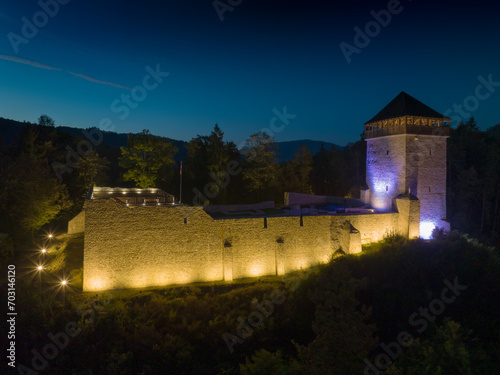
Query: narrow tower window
x=185, y=220
x=265, y=222
x=301, y=221
x=386, y=188
x=387, y=152
x=429, y=189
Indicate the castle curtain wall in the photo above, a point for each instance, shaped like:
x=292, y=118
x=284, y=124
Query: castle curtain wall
x=147, y=246
x=154, y=246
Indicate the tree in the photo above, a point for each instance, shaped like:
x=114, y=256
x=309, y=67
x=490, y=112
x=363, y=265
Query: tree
x=445, y=353
x=327, y=175
x=45, y=120
x=343, y=335
x=144, y=156
x=31, y=196
x=91, y=172
x=354, y=172
x=296, y=172
x=207, y=162
x=472, y=179
x=261, y=169
x=267, y=363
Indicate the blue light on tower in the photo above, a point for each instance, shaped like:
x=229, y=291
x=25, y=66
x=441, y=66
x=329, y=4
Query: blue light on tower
x=426, y=228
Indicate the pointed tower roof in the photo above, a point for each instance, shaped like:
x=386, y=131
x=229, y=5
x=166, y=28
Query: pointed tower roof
x=405, y=105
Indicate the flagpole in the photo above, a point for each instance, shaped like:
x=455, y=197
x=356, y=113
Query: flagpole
x=180, y=187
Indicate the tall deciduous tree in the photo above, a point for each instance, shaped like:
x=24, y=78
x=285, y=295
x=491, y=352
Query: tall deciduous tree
x=144, y=156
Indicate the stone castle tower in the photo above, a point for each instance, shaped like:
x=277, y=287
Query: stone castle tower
x=406, y=153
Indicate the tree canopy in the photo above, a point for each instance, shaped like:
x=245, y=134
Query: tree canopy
x=144, y=156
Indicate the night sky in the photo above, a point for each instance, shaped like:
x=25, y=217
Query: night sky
x=263, y=55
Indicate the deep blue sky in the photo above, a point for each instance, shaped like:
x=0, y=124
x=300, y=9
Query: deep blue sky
x=264, y=55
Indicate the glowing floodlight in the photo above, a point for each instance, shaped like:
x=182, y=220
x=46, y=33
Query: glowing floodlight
x=44, y=250
x=426, y=228
x=50, y=235
x=64, y=282
x=39, y=268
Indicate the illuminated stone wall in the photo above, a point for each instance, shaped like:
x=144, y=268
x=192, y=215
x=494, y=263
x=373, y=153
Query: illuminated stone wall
x=285, y=244
x=385, y=169
x=77, y=224
x=397, y=164
x=132, y=247
x=427, y=158
x=373, y=227
x=146, y=246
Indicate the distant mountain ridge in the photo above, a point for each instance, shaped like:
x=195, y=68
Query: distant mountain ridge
x=9, y=129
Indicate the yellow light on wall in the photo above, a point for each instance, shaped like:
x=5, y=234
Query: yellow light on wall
x=97, y=285
x=302, y=263
x=256, y=270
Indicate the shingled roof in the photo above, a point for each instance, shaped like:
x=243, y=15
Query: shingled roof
x=405, y=105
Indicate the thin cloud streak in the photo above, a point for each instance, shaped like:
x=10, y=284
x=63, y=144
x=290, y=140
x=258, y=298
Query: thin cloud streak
x=83, y=76
x=49, y=67
x=28, y=62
